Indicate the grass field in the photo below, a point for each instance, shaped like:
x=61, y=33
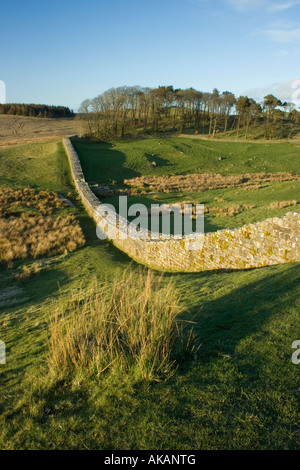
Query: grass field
x=254, y=204
x=116, y=161
x=241, y=391
x=45, y=160
x=15, y=130
x=177, y=156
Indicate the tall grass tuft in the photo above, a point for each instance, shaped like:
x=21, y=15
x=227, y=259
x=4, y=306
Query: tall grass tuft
x=130, y=326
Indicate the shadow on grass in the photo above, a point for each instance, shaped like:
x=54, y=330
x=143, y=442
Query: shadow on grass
x=100, y=161
x=202, y=406
x=158, y=160
x=222, y=323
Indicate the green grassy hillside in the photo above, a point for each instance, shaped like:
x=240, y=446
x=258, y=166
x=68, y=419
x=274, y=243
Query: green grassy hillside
x=251, y=206
x=39, y=165
x=240, y=392
x=121, y=160
x=116, y=161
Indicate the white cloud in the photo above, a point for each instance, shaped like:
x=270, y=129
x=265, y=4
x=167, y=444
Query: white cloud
x=283, y=35
x=288, y=91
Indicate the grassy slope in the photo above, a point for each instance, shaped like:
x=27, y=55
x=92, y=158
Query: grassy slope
x=15, y=130
x=120, y=160
x=45, y=160
x=243, y=391
x=261, y=198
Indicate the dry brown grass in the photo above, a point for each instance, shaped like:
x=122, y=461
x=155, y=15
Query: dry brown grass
x=27, y=228
x=16, y=130
x=253, y=186
x=225, y=211
x=129, y=326
x=219, y=200
x=14, y=201
x=27, y=272
x=282, y=204
x=33, y=236
x=202, y=182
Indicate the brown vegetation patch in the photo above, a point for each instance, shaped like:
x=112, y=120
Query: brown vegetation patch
x=202, y=182
x=282, y=204
x=16, y=130
x=28, y=228
x=26, y=273
x=225, y=211
x=12, y=202
x=33, y=236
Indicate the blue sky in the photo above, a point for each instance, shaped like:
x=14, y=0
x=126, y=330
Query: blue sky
x=61, y=52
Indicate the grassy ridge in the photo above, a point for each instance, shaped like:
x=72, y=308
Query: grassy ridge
x=240, y=392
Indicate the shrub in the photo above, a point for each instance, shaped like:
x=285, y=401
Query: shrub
x=34, y=236
x=12, y=201
x=282, y=204
x=129, y=326
x=28, y=228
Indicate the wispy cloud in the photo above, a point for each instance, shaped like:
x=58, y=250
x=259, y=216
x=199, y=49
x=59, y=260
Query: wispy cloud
x=279, y=32
x=277, y=7
x=286, y=35
x=244, y=5
x=268, y=5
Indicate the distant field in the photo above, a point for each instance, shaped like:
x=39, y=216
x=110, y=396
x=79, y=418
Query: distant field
x=25, y=129
x=121, y=160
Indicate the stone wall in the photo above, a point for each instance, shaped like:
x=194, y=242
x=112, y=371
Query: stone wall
x=273, y=241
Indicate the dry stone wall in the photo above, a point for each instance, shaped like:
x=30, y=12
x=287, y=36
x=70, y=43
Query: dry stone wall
x=273, y=241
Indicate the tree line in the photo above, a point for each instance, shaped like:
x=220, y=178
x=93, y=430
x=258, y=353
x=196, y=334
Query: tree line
x=128, y=111
x=36, y=110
